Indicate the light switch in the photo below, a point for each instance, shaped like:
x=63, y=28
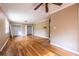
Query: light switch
x=54, y=27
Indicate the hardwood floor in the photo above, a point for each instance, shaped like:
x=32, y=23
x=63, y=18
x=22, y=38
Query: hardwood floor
x=28, y=46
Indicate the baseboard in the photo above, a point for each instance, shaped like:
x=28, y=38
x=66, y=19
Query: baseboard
x=4, y=45
x=42, y=37
x=64, y=51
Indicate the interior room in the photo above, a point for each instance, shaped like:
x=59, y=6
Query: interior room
x=39, y=29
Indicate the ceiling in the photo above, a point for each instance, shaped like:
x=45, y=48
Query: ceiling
x=25, y=13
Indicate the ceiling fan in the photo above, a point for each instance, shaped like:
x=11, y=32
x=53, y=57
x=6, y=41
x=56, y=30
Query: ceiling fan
x=46, y=6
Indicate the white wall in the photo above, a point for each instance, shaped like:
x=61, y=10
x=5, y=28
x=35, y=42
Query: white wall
x=64, y=26
x=40, y=31
x=4, y=35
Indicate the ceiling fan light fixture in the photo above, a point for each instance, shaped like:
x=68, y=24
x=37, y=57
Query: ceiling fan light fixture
x=46, y=6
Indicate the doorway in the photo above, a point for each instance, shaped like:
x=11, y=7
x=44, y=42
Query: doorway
x=29, y=30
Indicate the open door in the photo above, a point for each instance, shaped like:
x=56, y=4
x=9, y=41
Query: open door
x=29, y=30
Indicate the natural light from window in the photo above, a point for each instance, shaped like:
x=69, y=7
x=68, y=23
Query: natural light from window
x=6, y=26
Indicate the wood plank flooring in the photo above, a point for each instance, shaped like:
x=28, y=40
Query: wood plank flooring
x=29, y=46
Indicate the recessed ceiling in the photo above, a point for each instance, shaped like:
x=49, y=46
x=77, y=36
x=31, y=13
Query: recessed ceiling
x=25, y=13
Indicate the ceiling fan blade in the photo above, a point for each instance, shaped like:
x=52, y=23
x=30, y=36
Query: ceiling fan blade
x=38, y=6
x=59, y=4
x=46, y=7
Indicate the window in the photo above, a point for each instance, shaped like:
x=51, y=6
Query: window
x=6, y=26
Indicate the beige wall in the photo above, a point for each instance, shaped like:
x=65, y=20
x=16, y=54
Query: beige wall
x=64, y=28
x=39, y=29
x=3, y=36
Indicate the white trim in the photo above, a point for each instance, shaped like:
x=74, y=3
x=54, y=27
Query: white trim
x=42, y=36
x=4, y=44
x=65, y=48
